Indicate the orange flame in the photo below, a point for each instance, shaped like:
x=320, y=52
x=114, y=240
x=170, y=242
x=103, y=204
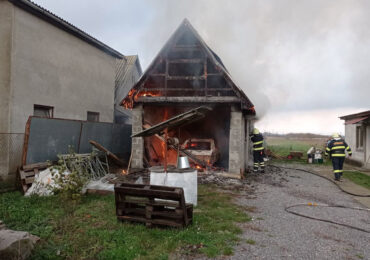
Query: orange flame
x=133, y=95
x=124, y=172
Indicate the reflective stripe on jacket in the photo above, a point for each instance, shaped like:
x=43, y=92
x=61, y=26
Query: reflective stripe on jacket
x=337, y=148
x=257, y=141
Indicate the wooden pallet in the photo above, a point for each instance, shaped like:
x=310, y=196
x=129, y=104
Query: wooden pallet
x=152, y=205
x=27, y=174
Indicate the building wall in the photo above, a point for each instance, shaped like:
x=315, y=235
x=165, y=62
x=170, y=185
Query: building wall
x=42, y=64
x=350, y=132
x=54, y=68
x=367, y=153
x=6, y=16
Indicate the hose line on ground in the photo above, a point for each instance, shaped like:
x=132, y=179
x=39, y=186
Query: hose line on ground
x=326, y=178
x=288, y=209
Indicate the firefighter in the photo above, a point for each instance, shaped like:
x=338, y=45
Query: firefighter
x=258, y=150
x=336, y=148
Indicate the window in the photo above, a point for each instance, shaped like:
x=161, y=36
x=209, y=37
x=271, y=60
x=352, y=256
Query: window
x=43, y=111
x=92, y=116
x=360, y=133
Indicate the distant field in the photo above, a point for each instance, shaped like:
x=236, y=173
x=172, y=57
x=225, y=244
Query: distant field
x=284, y=145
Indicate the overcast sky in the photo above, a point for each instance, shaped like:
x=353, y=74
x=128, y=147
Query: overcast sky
x=302, y=63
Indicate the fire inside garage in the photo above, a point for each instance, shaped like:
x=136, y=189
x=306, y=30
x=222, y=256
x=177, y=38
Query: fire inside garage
x=187, y=74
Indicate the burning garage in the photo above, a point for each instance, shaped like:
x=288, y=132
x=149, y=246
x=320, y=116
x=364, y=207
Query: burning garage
x=213, y=116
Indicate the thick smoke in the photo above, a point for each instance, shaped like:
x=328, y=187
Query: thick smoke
x=285, y=55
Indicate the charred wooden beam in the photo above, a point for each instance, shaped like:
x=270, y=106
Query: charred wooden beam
x=186, y=78
x=186, y=61
x=189, y=99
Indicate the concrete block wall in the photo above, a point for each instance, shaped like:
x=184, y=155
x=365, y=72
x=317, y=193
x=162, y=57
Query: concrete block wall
x=137, y=142
x=237, y=142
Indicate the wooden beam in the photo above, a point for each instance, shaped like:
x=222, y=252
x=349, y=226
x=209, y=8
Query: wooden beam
x=205, y=75
x=223, y=99
x=166, y=78
x=186, y=61
x=186, y=77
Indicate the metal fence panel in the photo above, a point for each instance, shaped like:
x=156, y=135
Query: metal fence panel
x=121, y=140
x=99, y=132
x=49, y=137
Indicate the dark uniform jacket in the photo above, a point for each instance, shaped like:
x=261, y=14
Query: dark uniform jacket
x=337, y=148
x=257, y=141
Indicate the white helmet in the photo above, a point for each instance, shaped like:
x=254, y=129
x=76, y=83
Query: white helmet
x=335, y=135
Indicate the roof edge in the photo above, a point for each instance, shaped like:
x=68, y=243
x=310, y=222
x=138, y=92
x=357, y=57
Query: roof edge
x=361, y=114
x=48, y=16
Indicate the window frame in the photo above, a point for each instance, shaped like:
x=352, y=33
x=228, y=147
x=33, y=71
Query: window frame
x=360, y=137
x=43, y=107
x=94, y=114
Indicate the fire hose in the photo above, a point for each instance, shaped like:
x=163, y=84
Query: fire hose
x=288, y=209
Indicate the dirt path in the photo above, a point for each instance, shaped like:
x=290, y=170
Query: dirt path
x=276, y=234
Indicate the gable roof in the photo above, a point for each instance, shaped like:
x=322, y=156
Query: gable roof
x=215, y=59
x=57, y=21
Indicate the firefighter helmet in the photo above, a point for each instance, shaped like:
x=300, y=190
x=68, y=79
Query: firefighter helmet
x=256, y=131
x=335, y=135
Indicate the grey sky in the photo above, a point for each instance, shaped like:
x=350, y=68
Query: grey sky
x=286, y=55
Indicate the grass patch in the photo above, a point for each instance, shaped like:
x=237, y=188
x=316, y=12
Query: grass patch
x=358, y=178
x=282, y=146
x=90, y=229
x=250, y=241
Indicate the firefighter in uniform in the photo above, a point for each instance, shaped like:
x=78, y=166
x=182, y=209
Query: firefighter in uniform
x=258, y=150
x=336, y=148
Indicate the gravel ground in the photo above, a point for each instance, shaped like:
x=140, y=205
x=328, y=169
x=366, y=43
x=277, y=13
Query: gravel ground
x=276, y=234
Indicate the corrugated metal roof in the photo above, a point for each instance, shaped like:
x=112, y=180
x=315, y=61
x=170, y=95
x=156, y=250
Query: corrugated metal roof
x=128, y=71
x=52, y=18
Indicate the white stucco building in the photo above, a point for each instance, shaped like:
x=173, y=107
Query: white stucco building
x=357, y=132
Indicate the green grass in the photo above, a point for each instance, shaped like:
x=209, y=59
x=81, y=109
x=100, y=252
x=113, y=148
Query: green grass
x=282, y=146
x=250, y=241
x=90, y=229
x=358, y=178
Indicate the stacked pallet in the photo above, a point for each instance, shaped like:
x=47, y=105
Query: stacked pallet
x=27, y=174
x=152, y=205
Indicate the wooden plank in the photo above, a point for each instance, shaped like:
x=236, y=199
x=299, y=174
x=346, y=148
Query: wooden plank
x=24, y=174
x=29, y=167
x=153, y=187
x=109, y=154
x=29, y=180
x=169, y=214
x=149, y=193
